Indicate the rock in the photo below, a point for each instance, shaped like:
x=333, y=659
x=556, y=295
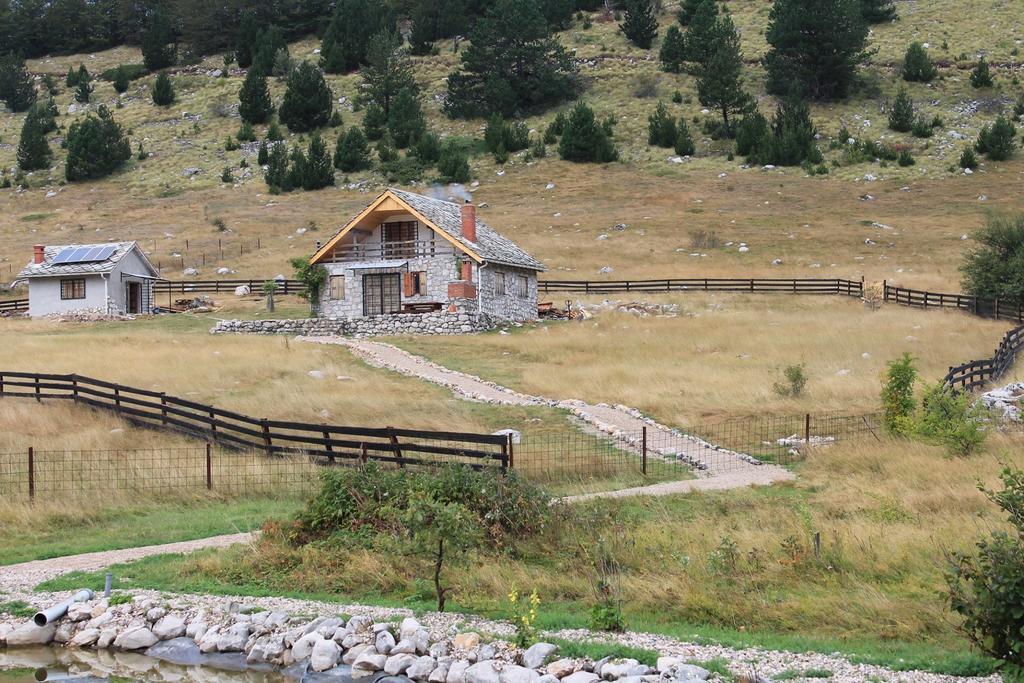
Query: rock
x=359, y=624
x=486, y=651
x=190, y=272
x=548, y=678
x=327, y=627
x=196, y=630
x=325, y=655
x=561, y=668
x=744, y=249
x=242, y=290
x=135, y=638
x=457, y=671
x=181, y=651
x=665, y=664
x=155, y=614
x=79, y=611
x=234, y=639
x=404, y=646
x=368, y=662
x=354, y=651
x=483, y=672
x=408, y=627
x=421, y=669
x=397, y=664
x=191, y=171
x=107, y=636
x=466, y=641
x=581, y=677
x=303, y=647
x=439, y=649
x=514, y=434
x=549, y=186
x=64, y=632
x=620, y=668
x=518, y=674
x=171, y=626
x=537, y=654
x=85, y=638
x=440, y=673
x=384, y=641
x=266, y=649
x=606, y=269
x=690, y=672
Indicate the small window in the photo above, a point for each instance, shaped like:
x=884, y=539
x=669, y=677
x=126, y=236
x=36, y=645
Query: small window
x=73, y=288
x=522, y=286
x=338, y=287
x=419, y=283
x=499, y=284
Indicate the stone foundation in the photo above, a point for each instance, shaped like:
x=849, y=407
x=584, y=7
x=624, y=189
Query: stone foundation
x=380, y=325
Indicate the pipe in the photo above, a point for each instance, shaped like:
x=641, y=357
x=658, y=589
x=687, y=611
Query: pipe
x=60, y=609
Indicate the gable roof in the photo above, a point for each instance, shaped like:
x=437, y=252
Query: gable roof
x=48, y=268
x=446, y=217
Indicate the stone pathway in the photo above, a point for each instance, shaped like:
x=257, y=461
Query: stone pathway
x=716, y=468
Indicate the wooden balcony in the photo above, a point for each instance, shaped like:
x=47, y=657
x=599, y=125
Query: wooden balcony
x=349, y=253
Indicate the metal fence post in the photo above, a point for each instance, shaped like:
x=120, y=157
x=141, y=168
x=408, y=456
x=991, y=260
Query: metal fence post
x=511, y=453
x=209, y=469
x=31, y=473
x=643, y=456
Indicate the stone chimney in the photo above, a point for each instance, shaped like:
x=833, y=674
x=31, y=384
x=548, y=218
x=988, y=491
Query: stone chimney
x=469, y=221
x=38, y=255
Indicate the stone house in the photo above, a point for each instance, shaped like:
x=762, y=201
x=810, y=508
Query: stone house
x=108, y=279
x=406, y=253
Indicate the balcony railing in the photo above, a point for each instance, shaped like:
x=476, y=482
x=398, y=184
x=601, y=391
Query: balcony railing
x=376, y=251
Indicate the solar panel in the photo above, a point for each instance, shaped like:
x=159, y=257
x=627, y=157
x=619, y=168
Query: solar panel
x=84, y=254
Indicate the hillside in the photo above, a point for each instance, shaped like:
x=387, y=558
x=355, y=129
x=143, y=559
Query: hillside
x=904, y=224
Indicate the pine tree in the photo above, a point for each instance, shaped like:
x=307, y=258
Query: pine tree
x=453, y=165
x=263, y=155
x=639, y=24
x=374, y=121
x=687, y=8
x=158, y=51
x=981, y=76
x=512, y=64
x=816, y=45
x=661, y=127
x=427, y=148
x=276, y=174
x=319, y=169
x=790, y=141
x=254, y=98
x=877, y=11
x=405, y=121
x=558, y=13
x=83, y=92
x=274, y=133
x=269, y=44
x=245, y=41
x=121, y=79
x=307, y=102
x=352, y=152
x=33, y=150
x=584, y=139
x=96, y=147
x=673, y=50
x=997, y=141
x=700, y=35
x=684, y=146
x=750, y=133
x=901, y=117
x=71, y=80
x=387, y=70
x=386, y=151
x=16, y=87
x=917, y=66
x=345, y=42
x=720, y=83
x=163, y=90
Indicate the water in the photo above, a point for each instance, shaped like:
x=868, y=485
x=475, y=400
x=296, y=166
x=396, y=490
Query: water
x=93, y=666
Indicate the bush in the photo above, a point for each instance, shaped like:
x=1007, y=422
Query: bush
x=790, y=140
x=584, y=139
x=987, y=588
x=951, y=419
x=917, y=66
x=121, y=80
x=683, y=144
x=922, y=128
x=374, y=121
x=163, y=91
x=997, y=141
x=453, y=164
x=505, y=136
x=898, y=396
x=750, y=131
x=428, y=148
x=245, y=132
x=992, y=268
x=968, y=159
x=901, y=116
x=17, y=89
x=661, y=127
x=981, y=76
x=795, y=380
x=905, y=158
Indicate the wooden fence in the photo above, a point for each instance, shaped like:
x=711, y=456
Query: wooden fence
x=330, y=443
x=202, y=286
x=985, y=308
x=976, y=373
x=14, y=306
x=789, y=285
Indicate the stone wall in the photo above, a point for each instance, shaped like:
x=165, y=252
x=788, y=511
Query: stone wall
x=427, y=323
x=509, y=305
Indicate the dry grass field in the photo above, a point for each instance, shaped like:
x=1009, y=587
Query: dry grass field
x=817, y=226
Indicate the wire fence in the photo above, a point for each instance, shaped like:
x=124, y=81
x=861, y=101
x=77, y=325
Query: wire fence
x=564, y=463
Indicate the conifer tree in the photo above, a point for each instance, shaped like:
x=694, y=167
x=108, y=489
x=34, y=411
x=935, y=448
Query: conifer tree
x=269, y=44
x=83, y=92
x=428, y=148
x=387, y=69
x=319, y=169
x=307, y=102
x=96, y=147
x=512, y=64
x=687, y=8
x=816, y=45
x=453, y=165
x=245, y=41
x=120, y=79
x=877, y=11
x=16, y=87
x=639, y=24
x=254, y=103
x=672, y=53
x=684, y=146
x=263, y=155
x=700, y=35
x=345, y=42
x=33, y=149
x=584, y=139
x=997, y=141
x=720, y=83
x=661, y=127
x=374, y=121
x=158, y=51
x=276, y=174
x=917, y=66
x=901, y=117
x=981, y=76
x=352, y=152
x=405, y=121
x=163, y=90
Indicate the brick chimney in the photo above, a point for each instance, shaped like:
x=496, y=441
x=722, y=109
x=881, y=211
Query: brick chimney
x=469, y=221
x=37, y=253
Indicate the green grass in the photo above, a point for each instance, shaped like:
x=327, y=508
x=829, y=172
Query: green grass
x=791, y=674
x=17, y=608
x=597, y=649
x=57, y=534
x=174, y=573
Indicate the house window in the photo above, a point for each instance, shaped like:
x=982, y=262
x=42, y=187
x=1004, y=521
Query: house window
x=338, y=287
x=414, y=284
x=499, y=284
x=522, y=286
x=72, y=288
x=399, y=239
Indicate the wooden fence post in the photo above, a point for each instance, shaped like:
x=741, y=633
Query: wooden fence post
x=328, y=446
x=1, y=385
x=31, y=473
x=643, y=455
x=38, y=397
x=209, y=469
x=807, y=429
x=266, y=436
x=163, y=408
x=394, y=445
x=117, y=398
x=885, y=290
x=74, y=387
x=511, y=453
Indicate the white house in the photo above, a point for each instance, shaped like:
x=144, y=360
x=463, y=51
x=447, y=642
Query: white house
x=110, y=279
x=408, y=253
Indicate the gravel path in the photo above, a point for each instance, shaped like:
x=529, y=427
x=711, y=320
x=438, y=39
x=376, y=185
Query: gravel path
x=716, y=468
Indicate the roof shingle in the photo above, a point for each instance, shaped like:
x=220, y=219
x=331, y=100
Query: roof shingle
x=47, y=267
